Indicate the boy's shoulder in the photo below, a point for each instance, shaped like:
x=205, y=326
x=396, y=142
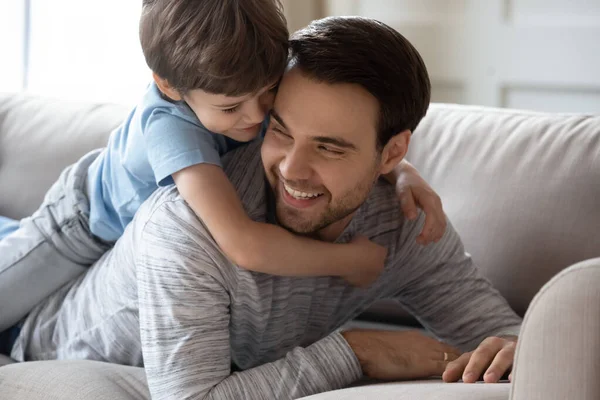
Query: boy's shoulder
x=154, y=101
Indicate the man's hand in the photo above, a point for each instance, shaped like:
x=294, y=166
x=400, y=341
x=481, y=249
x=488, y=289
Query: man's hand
x=404, y=355
x=413, y=191
x=492, y=359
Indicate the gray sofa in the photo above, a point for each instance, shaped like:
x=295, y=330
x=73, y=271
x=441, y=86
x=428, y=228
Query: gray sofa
x=522, y=189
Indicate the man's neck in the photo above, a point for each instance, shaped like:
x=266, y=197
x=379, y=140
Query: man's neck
x=332, y=232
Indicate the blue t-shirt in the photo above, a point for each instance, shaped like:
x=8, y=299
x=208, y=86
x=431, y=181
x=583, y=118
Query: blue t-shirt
x=158, y=139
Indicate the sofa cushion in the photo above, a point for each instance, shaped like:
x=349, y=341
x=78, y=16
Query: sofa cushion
x=81, y=380
x=521, y=188
x=38, y=138
x=72, y=380
x=426, y=390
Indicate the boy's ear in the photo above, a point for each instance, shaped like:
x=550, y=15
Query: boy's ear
x=394, y=151
x=166, y=88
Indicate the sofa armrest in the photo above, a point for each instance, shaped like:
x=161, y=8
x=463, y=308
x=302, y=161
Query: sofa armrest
x=559, y=347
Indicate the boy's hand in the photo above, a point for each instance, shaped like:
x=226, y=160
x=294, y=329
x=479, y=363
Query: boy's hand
x=374, y=260
x=413, y=191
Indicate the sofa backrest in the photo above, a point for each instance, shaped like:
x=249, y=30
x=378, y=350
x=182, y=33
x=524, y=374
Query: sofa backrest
x=521, y=188
x=39, y=137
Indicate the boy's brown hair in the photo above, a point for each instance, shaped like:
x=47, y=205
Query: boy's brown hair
x=229, y=47
x=368, y=53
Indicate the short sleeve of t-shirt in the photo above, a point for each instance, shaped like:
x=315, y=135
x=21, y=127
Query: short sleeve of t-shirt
x=175, y=143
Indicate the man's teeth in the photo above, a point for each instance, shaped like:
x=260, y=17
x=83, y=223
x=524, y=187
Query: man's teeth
x=300, y=195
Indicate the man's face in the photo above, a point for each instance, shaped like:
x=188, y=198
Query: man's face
x=320, y=154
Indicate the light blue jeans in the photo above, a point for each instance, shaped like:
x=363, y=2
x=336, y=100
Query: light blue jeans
x=7, y=226
x=48, y=249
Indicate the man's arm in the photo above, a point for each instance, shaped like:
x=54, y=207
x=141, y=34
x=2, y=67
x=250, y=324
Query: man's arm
x=445, y=291
x=442, y=288
x=184, y=323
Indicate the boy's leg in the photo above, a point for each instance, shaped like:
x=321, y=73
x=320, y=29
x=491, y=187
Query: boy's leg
x=49, y=248
x=7, y=226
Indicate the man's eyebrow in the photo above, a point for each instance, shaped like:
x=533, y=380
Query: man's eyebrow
x=277, y=118
x=336, y=141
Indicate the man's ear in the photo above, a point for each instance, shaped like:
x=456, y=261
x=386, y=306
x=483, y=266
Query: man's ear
x=394, y=151
x=165, y=87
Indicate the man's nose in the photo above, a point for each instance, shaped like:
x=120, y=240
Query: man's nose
x=296, y=165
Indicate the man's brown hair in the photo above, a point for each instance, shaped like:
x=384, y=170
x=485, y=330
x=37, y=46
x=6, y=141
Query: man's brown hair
x=368, y=53
x=230, y=47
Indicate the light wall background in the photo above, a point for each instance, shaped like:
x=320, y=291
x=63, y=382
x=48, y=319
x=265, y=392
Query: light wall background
x=531, y=54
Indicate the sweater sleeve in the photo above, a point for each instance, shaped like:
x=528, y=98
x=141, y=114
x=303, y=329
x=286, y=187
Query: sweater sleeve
x=185, y=324
x=447, y=293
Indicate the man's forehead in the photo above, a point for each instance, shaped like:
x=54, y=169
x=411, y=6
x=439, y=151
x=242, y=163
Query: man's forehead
x=337, y=109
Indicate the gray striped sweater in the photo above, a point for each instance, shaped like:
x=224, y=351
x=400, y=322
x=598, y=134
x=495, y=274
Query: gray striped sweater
x=167, y=298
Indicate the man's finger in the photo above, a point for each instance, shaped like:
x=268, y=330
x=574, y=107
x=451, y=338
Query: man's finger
x=455, y=368
x=482, y=358
x=502, y=363
x=407, y=203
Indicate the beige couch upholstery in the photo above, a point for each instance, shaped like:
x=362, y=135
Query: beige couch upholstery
x=558, y=355
x=521, y=188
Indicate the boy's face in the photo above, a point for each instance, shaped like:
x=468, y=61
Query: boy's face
x=239, y=118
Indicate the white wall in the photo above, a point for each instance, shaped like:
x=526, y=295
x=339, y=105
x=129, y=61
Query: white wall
x=533, y=54
x=87, y=50
x=11, y=45
x=300, y=12
x=82, y=50
x=77, y=50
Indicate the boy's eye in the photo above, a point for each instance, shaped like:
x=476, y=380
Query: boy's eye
x=230, y=110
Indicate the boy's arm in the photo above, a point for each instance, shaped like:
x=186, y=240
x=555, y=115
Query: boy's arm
x=268, y=248
x=414, y=191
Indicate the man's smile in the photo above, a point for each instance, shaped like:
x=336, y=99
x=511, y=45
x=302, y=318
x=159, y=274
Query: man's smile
x=298, y=198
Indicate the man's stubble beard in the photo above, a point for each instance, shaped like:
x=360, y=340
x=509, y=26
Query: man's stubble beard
x=292, y=219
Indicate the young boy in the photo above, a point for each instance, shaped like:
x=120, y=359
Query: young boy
x=216, y=66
